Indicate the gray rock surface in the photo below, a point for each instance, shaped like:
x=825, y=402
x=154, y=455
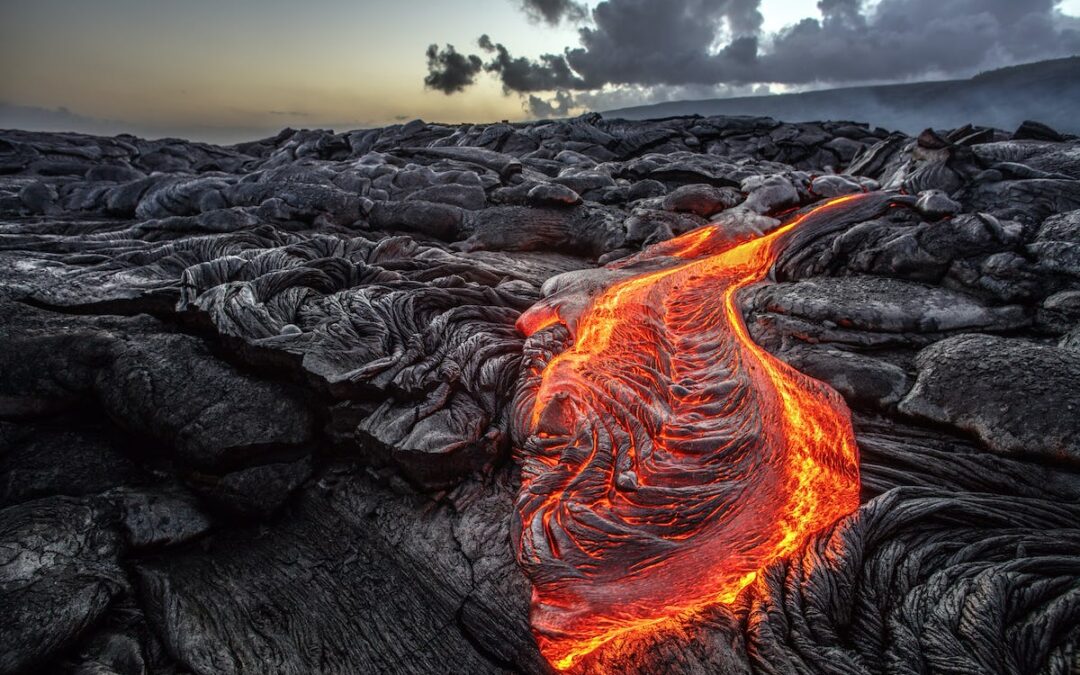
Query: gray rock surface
x=59, y=572
x=702, y=200
x=935, y=205
x=969, y=382
x=835, y=186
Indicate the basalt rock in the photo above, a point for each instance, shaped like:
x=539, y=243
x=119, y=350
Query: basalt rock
x=956, y=372
x=703, y=200
x=282, y=406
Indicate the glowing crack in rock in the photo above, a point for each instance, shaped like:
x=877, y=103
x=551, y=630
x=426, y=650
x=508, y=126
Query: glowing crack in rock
x=665, y=457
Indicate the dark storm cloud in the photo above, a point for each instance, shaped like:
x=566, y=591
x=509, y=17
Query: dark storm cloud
x=559, y=106
x=554, y=11
x=449, y=70
x=909, y=38
x=849, y=10
x=519, y=74
x=649, y=43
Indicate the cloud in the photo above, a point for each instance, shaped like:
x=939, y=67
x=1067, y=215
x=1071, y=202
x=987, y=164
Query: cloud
x=903, y=39
x=648, y=44
x=562, y=104
x=450, y=71
x=554, y=11
x=519, y=74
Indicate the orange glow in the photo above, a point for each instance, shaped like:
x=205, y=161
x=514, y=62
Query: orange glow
x=667, y=458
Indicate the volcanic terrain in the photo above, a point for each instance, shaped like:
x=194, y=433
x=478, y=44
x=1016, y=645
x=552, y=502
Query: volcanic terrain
x=691, y=395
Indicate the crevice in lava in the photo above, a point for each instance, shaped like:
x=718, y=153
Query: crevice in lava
x=459, y=614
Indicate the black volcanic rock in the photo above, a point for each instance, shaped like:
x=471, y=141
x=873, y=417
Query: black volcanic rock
x=164, y=386
x=255, y=401
x=59, y=572
x=702, y=200
x=1031, y=130
x=966, y=381
x=42, y=460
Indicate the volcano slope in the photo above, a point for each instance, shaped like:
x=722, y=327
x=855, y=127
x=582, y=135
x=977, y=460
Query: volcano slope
x=694, y=395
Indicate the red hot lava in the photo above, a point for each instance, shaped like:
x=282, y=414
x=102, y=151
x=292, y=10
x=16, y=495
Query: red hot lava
x=665, y=457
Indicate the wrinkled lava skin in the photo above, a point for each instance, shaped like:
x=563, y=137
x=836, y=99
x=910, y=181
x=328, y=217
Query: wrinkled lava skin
x=665, y=457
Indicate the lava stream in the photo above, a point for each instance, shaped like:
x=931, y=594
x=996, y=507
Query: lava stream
x=665, y=457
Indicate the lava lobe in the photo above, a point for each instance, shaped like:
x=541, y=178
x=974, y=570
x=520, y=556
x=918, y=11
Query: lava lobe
x=665, y=457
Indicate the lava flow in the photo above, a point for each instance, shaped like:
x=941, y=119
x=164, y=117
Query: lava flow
x=665, y=457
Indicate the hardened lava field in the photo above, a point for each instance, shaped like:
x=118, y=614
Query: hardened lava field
x=473, y=398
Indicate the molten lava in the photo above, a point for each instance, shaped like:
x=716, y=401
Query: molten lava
x=665, y=457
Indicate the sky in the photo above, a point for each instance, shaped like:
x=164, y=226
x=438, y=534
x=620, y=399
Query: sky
x=227, y=70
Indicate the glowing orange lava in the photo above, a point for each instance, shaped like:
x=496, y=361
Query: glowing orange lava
x=665, y=457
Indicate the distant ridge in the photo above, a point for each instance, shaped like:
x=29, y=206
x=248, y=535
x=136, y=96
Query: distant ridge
x=1046, y=91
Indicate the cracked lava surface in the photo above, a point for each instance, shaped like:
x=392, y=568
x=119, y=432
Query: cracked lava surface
x=666, y=458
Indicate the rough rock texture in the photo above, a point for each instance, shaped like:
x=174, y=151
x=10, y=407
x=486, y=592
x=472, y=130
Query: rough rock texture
x=968, y=382
x=255, y=401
